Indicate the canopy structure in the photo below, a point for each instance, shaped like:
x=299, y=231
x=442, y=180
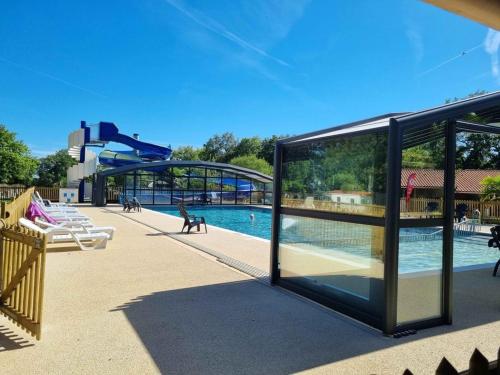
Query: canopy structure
x=174, y=181
x=348, y=235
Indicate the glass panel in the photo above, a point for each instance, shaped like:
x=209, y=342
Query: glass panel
x=228, y=182
x=213, y=184
x=144, y=196
x=197, y=172
x=420, y=274
x=340, y=260
x=213, y=173
x=177, y=196
x=162, y=197
x=343, y=175
x=196, y=183
x=180, y=183
x=257, y=197
x=129, y=181
x=243, y=197
x=144, y=181
x=422, y=173
x=228, y=197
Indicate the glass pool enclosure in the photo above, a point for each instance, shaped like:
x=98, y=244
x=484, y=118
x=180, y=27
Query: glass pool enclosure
x=343, y=187
x=191, y=182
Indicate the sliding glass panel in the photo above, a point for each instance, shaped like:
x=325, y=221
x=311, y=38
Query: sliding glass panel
x=340, y=260
x=422, y=173
x=420, y=274
x=345, y=175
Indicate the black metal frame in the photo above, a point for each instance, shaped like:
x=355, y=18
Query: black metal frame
x=451, y=116
x=136, y=171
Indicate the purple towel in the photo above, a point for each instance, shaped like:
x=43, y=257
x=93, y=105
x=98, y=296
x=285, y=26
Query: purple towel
x=35, y=211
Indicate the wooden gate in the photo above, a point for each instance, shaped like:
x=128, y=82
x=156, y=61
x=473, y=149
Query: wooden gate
x=22, y=269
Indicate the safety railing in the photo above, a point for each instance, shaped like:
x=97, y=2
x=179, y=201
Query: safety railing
x=22, y=266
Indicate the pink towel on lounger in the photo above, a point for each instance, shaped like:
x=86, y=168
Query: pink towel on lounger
x=35, y=211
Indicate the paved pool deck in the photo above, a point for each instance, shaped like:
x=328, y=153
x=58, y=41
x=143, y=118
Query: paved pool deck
x=150, y=304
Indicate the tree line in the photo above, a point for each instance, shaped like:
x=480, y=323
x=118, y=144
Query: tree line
x=19, y=166
x=248, y=152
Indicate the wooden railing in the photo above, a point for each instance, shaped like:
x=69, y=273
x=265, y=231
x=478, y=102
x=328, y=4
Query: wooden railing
x=22, y=271
x=22, y=266
x=478, y=365
x=10, y=212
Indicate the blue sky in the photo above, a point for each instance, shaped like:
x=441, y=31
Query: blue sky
x=179, y=71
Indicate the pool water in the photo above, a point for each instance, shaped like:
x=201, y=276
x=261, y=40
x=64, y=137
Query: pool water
x=420, y=248
x=230, y=217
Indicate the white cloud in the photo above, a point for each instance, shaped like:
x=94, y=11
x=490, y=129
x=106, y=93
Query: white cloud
x=214, y=26
x=416, y=42
x=492, y=47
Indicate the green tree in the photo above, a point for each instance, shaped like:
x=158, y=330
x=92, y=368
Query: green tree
x=252, y=162
x=17, y=165
x=267, y=148
x=248, y=146
x=490, y=188
x=186, y=153
x=219, y=148
x=52, y=168
x=417, y=157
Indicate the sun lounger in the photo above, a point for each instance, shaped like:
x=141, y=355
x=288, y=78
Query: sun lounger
x=51, y=206
x=191, y=221
x=77, y=227
x=59, y=235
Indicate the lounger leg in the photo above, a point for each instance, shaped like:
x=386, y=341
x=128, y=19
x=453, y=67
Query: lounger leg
x=101, y=244
x=198, y=227
x=495, y=270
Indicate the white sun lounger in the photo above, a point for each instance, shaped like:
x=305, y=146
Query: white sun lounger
x=77, y=227
x=48, y=205
x=98, y=239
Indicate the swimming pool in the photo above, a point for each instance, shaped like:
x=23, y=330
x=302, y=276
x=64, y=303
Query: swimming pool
x=420, y=248
x=230, y=217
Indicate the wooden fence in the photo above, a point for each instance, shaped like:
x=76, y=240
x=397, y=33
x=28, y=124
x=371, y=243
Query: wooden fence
x=490, y=211
x=478, y=365
x=22, y=266
x=113, y=194
x=10, y=192
x=50, y=193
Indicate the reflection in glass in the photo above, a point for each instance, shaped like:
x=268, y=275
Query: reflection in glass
x=420, y=273
x=341, y=260
x=342, y=175
x=422, y=173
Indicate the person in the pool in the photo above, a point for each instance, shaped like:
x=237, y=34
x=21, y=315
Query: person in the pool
x=252, y=217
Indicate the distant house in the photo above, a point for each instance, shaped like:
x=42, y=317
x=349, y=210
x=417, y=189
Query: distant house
x=429, y=182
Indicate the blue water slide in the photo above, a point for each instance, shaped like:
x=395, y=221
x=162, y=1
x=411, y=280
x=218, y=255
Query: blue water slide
x=143, y=151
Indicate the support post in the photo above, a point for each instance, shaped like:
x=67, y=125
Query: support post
x=449, y=212
x=394, y=151
x=276, y=213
